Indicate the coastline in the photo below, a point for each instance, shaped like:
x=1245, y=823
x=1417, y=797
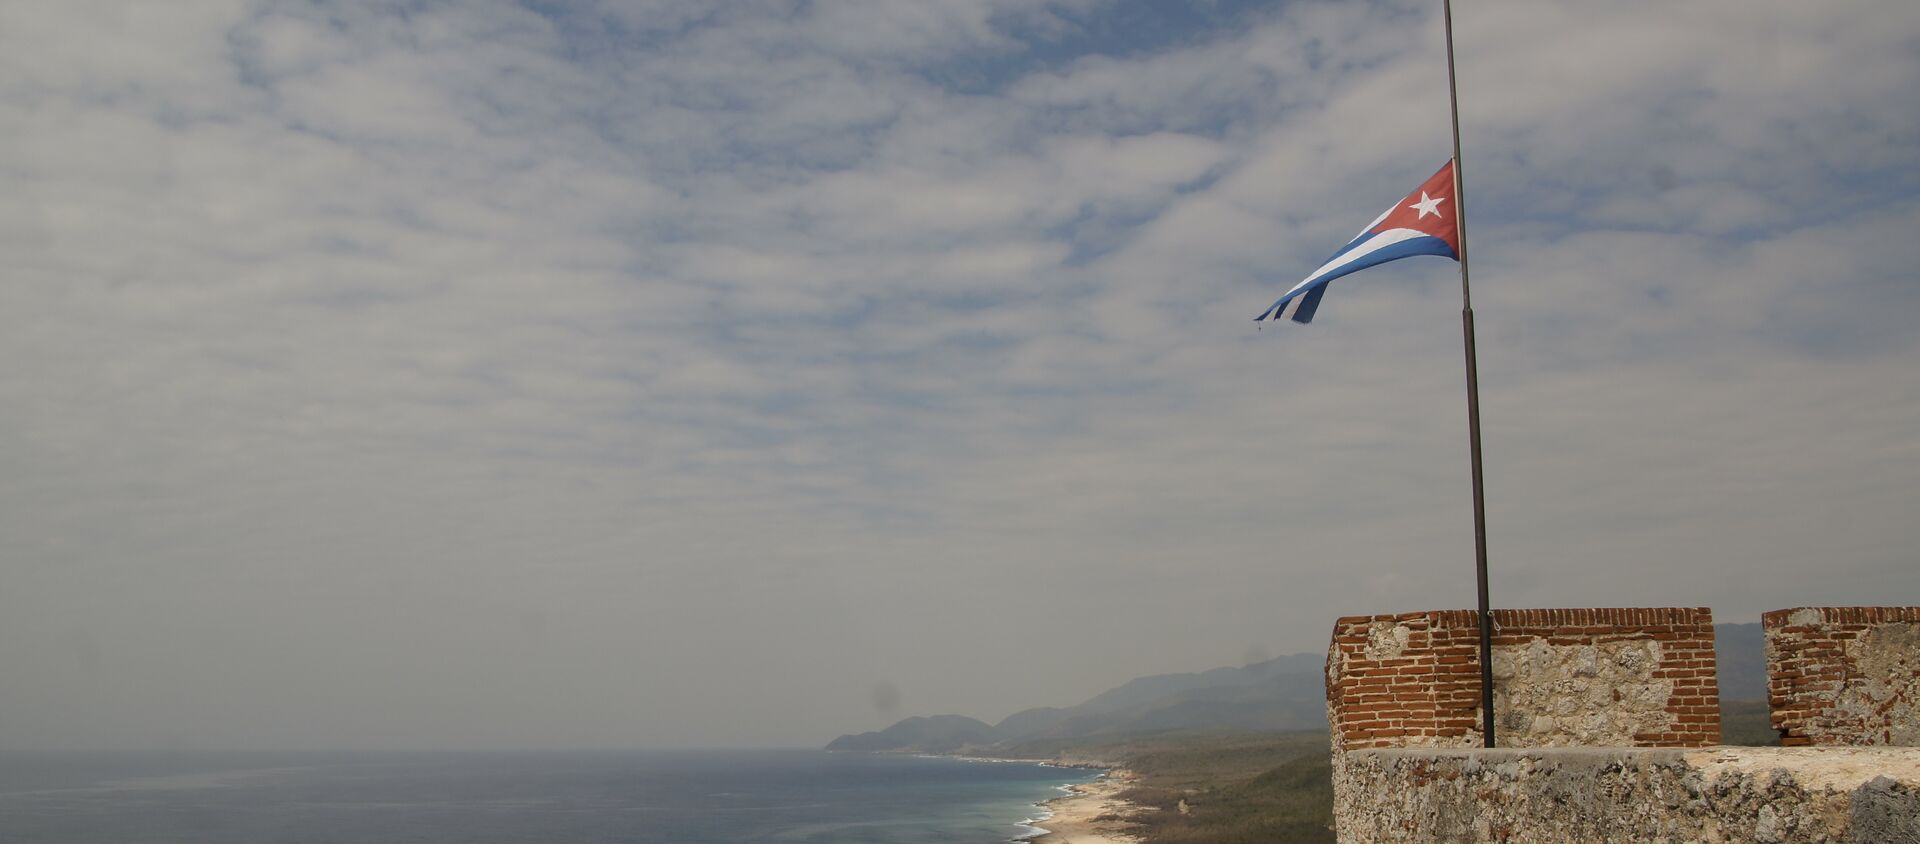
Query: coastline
x=1086, y=814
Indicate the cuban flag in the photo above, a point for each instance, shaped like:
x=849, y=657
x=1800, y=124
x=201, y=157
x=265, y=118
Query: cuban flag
x=1422, y=224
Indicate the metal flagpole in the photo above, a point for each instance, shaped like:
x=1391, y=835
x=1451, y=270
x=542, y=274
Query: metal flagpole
x=1473, y=402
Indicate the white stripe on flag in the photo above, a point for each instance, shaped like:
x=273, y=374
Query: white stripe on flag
x=1376, y=243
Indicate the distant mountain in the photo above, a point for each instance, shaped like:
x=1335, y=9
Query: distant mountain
x=1297, y=702
x=1285, y=693
x=1033, y=722
x=1741, y=650
x=1146, y=690
x=938, y=734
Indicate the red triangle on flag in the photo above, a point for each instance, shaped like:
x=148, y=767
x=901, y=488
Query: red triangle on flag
x=1428, y=210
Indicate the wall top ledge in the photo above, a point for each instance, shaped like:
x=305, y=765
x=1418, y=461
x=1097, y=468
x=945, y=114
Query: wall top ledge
x=1839, y=615
x=1815, y=768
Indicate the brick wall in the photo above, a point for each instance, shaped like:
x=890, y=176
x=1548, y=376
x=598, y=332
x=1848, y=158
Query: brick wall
x=1844, y=675
x=1565, y=677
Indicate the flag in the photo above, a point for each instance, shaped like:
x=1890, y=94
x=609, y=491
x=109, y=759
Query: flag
x=1422, y=224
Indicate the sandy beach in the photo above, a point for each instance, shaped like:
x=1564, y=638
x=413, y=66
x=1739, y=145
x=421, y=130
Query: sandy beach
x=1077, y=817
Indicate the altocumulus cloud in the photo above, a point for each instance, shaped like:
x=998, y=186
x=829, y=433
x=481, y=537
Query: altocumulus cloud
x=675, y=373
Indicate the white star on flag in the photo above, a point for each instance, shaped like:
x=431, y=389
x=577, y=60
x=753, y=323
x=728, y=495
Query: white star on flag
x=1428, y=204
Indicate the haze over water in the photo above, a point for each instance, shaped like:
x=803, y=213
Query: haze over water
x=636, y=797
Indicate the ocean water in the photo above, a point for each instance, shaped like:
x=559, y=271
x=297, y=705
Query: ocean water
x=637, y=797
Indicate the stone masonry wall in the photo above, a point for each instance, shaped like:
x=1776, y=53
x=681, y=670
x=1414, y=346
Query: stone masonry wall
x=1626, y=677
x=1565, y=795
x=1844, y=675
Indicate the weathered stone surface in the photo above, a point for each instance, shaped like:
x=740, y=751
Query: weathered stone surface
x=1886, y=658
x=1845, y=675
x=1584, y=695
x=1885, y=810
x=1562, y=795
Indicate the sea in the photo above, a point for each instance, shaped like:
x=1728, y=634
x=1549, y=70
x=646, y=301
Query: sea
x=496, y=797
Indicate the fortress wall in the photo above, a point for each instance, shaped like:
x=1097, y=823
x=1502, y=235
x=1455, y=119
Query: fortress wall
x=1563, y=795
x=1844, y=675
x=1562, y=677
x=1604, y=717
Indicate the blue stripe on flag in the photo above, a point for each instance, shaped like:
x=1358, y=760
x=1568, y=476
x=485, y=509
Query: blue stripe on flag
x=1426, y=245
x=1308, y=304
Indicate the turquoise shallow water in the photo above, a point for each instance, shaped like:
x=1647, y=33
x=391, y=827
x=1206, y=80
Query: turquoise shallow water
x=638, y=797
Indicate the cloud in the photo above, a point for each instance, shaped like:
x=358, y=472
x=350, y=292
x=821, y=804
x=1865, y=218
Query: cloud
x=774, y=353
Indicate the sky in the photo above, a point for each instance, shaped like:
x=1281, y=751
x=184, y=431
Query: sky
x=640, y=373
